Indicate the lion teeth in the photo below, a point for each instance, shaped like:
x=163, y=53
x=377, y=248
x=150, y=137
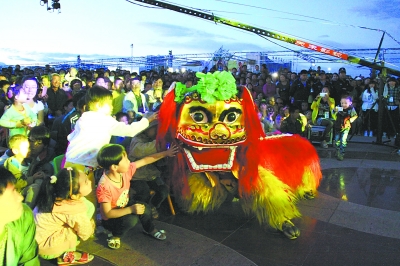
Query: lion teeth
x=226, y=166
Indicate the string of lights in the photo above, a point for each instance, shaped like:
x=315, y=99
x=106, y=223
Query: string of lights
x=311, y=17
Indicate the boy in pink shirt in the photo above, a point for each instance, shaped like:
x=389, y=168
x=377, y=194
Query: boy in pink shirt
x=113, y=193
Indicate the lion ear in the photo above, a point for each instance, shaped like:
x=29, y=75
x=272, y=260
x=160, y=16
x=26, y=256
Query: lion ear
x=171, y=88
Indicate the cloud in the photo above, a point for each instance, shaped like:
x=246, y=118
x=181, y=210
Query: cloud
x=184, y=39
x=175, y=31
x=381, y=9
x=21, y=58
x=14, y=56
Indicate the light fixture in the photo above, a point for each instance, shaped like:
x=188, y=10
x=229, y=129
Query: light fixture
x=55, y=5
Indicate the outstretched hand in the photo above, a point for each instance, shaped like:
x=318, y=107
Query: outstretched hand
x=172, y=151
x=151, y=117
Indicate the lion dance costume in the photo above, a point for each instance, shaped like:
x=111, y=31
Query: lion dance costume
x=225, y=152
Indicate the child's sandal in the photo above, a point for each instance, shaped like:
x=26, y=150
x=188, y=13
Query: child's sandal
x=160, y=234
x=114, y=242
x=69, y=258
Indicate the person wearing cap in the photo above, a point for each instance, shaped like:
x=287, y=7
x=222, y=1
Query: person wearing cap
x=340, y=86
x=391, y=93
x=300, y=89
x=322, y=82
x=359, y=86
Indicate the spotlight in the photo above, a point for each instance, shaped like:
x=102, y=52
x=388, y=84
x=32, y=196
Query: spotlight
x=55, y=5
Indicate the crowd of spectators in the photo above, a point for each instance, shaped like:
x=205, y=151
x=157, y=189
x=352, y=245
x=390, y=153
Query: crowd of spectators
x=40, y=107
x=137, y=93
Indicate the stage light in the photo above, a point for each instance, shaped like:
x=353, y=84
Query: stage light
x=55, y=5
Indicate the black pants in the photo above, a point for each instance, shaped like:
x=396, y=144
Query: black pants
x=370, y=121
x=328, y=124
x=142, y=191
x=119, y=226
x=387, y=125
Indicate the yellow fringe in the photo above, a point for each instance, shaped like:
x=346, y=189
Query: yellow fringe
x=272, y=202
x=204, y=197
x=309, y=183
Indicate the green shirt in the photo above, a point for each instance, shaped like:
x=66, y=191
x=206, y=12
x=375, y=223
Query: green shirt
x=21, y=246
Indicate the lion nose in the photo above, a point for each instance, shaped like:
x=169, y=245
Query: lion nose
x=219, y=132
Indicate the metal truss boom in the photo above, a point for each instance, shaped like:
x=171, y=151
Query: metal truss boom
x=270, y=34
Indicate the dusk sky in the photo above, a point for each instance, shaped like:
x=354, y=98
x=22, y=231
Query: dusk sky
x=103, y=29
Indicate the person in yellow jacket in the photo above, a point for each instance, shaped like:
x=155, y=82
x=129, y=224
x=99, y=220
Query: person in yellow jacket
x=323, y=113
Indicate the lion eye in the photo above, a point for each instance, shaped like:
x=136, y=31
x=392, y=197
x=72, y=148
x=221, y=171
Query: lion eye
x=199, y=117
x=231, y=117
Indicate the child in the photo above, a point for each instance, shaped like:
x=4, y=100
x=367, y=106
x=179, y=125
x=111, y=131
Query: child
x=18, y=118
x=113, y=193
x=343, y=122
x=17, y=227
x=94, y=129
x=124, y=141
x=28, y=186
x=63, y=215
